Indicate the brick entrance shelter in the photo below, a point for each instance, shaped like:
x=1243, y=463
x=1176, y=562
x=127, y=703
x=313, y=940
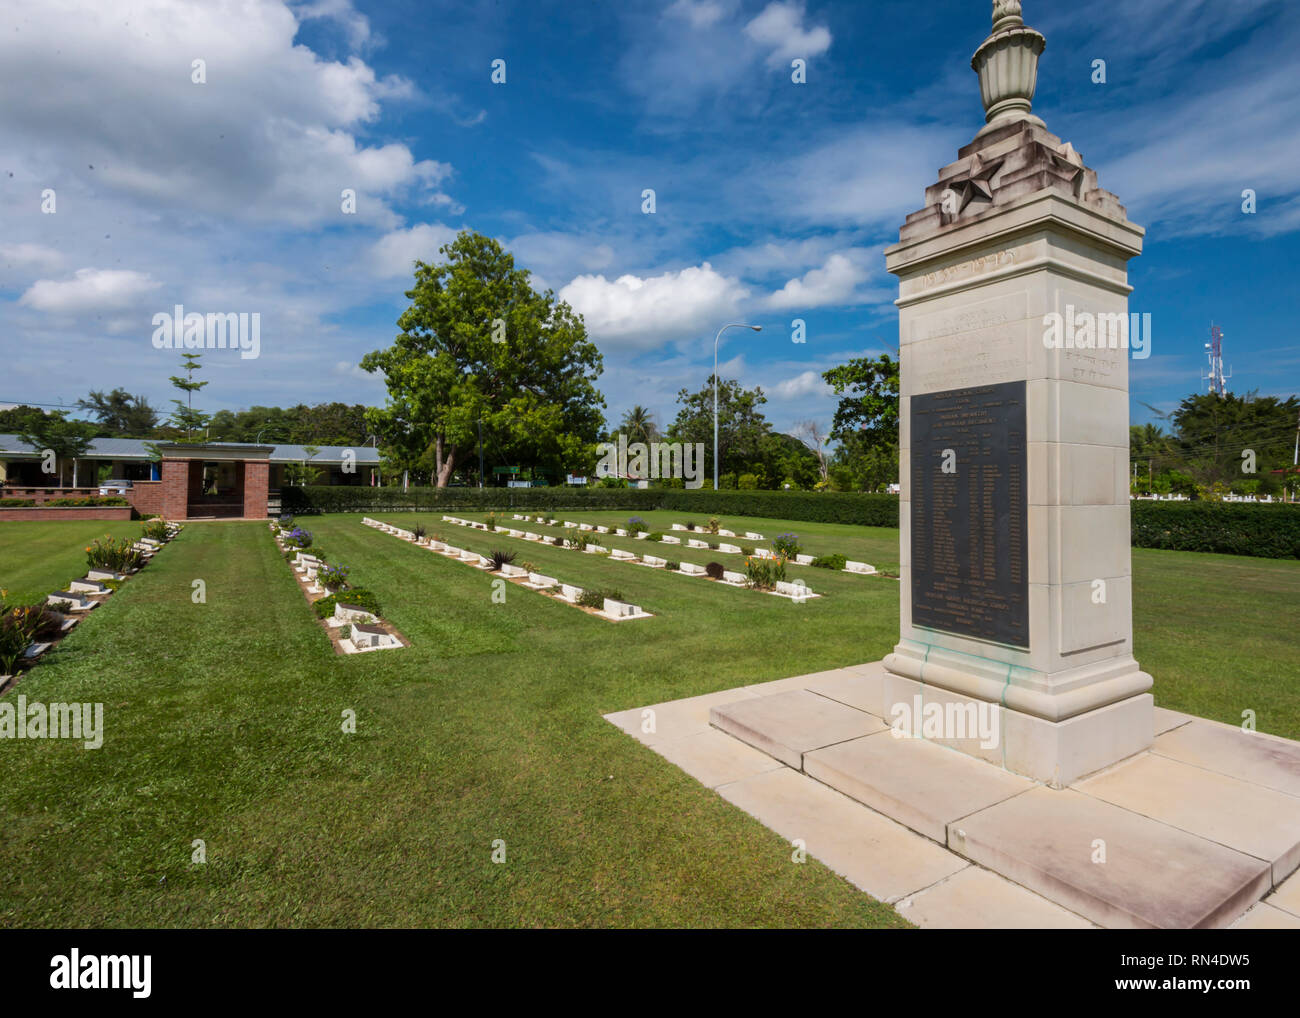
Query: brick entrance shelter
x=214, y=481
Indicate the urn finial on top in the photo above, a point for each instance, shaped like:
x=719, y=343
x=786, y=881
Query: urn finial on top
x=1007, y=64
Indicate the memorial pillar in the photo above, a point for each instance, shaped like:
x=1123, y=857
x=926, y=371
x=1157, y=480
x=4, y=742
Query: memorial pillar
x=1014, y=333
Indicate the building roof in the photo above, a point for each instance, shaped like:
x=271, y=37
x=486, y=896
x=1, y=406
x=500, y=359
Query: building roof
x=11, y=447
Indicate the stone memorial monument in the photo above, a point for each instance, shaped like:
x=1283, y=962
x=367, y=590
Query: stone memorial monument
x=1013, y=445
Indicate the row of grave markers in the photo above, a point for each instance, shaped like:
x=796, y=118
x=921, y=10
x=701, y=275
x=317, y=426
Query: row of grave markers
x=857, y=568
x=611, y=610
x=366, y=630
x=88, y=593
x=796, y=590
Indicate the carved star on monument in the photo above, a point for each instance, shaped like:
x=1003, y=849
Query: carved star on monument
x=1070, y=163
x=976, y=185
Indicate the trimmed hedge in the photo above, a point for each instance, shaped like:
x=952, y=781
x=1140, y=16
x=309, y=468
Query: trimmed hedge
x=1229, y=528
x=812, y=507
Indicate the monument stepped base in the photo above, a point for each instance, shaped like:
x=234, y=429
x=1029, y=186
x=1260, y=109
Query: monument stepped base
x=1189, y=833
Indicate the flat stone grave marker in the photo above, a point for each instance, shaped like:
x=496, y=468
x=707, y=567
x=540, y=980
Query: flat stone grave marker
x=371, y=637
x=730, y=576
x=804, y=560
x=620, y=532
x=509, y=570
x=642, y=535
x=858, y=567
x=540, y=581
x=621, y=609
x=621, y=555
x=726, y=533
x=592, y=549
x=570, y=592
x=729, y=549
x=584, y=526
x=668, y=539
x=654, y=560
x=79, y=602
x=750, y=535
x=692, y=542
x=104, y=574
x=89, y=587
x=679, y=526
x=529, y=536
x=691, y=569
x=602, y=530
x=351, y=613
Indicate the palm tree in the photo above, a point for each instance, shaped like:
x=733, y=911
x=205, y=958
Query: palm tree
x=639, y=425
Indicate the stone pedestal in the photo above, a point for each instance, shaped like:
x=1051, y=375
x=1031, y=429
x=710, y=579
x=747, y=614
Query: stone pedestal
x=1014, y=513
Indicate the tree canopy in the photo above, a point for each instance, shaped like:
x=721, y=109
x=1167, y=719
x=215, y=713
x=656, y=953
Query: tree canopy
x=480, y=346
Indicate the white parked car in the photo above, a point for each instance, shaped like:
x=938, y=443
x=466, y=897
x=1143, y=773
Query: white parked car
x=114, y=487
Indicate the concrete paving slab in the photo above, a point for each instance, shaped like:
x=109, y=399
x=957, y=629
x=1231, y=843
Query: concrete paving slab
x=1166, y=720
x=873, y=853
x=1255, y=820
x=853, y=688
x=675, y=719
x=787, y=725
x=975, y=899
x=714, y=758
x=922, y=785
x=1260, y=759
x=1265, y=917
x=1154, y=876
x=1287, y=895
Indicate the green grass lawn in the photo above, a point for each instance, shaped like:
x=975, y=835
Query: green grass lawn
x=38, y=556
x=223, y=723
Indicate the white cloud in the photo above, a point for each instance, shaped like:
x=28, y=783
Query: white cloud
x=272, y=136
x=29, y=256
x=395, y=253
x=806, y=383
x=635, y=312
x=779, y=28
x=834, y=283
x=90, y=290
x=700, y=13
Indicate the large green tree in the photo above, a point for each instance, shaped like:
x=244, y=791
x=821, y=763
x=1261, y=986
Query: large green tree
x=741, y=424
x=865, y=423
x=67, y=440
x=185, y=418
x=121, y=413
x=480, y=345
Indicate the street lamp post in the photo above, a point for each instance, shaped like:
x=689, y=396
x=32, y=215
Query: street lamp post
x=733, y=325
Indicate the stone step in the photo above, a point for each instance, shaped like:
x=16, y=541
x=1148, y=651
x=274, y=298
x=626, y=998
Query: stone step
x=921, y=785
x=1153, y=877
x=788, y=725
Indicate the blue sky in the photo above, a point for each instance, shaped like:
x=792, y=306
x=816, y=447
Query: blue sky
x=774, y=200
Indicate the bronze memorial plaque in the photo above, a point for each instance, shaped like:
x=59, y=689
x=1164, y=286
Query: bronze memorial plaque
x=969, y=573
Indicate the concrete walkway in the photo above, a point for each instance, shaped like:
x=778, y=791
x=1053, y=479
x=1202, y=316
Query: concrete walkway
x=1193, y=833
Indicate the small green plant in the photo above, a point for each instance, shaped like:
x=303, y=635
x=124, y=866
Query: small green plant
x=596, y=598
x=786, y=545
x=713, y=525
x=713, y=545
x=333, y=578
x=836, y=561
x=115, y=556
x=764, y=573
x=298, y=538
x=672, y=564
x=501, y=558
x=714, y=570
x=345, y=632
x=491, y=521
x=419, y=531
x=578, y=541
x=747, y=550
x=655, y=536
x=357, y=596
x=155, y=530
x=636, y=525
x=690, y=526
